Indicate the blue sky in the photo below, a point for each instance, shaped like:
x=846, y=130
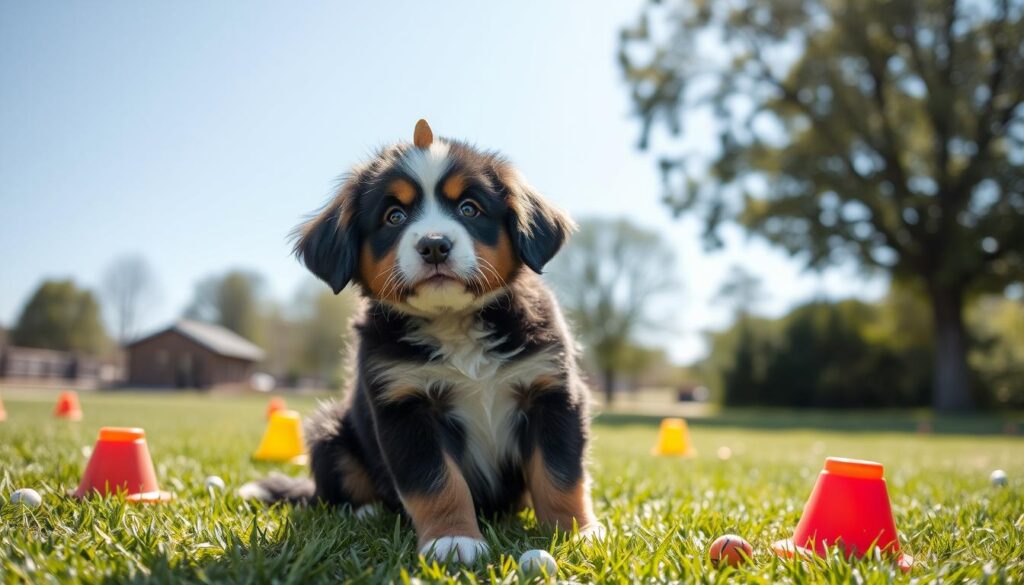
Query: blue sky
x=199, y=133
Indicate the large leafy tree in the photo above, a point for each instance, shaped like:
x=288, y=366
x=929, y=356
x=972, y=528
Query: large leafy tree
x=61, y=316
x=890, y=133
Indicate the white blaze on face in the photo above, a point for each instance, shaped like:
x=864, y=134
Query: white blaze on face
x=428, y=166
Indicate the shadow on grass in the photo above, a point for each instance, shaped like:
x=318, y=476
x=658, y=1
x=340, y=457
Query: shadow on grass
x=322, y=544
x=846, y=421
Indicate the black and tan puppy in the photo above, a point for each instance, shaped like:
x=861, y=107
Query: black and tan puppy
x=467, y=398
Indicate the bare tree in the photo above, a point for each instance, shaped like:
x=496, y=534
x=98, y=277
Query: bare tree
x=743, y=290
x=128, y=287
x=607, y=276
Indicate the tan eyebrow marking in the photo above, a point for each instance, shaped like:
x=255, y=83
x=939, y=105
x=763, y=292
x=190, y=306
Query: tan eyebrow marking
x=454, y=186
x=403, y=190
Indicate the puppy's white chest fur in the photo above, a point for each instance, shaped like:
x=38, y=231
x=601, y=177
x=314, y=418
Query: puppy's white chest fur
x=484, y=385
x=462, y=344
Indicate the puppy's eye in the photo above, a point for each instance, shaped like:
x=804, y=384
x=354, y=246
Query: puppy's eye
x=469, y=208
x=394, y=216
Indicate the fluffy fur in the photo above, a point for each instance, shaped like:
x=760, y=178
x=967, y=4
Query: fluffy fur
x=467, y=400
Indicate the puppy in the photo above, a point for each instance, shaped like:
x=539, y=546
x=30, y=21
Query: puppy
x=467, y=399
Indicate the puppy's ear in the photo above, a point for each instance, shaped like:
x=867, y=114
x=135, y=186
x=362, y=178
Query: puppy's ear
x=538, y=229
x=328, y=244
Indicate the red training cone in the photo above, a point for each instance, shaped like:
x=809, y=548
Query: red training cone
x=276, y=403
x=849, y=507
x=120, y=462
x=67, y=406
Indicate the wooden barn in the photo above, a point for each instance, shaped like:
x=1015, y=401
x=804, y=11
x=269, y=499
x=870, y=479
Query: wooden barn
x=191, y=354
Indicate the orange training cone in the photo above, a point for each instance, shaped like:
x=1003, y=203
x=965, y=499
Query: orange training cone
x=3, y=413
x=276, y=403
x=674, y=439
x=120, y=462
x=849, y=507
x=67, y=406
x=282, y=441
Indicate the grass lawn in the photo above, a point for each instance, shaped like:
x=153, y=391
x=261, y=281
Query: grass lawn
x=661, y=513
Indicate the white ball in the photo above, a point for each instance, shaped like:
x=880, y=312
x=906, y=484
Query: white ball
x=998, y=477
x=28, y=497
x=214, y=483
x=533, y=562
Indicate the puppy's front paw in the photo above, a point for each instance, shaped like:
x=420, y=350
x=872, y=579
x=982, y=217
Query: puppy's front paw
x=462, y=549
x=592, y=532
x=367, y=511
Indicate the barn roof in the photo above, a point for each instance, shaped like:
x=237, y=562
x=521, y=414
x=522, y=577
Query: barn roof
x=214, y=338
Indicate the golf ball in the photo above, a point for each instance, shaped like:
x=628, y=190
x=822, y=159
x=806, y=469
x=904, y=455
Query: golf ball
x=28, y=497
x=730, y=549
x=998, y=477
x=534, y=562
x=214, y=483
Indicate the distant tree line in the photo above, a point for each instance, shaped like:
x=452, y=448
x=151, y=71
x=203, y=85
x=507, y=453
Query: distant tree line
x=855, y=354
x=611, y=280
x=305, y=338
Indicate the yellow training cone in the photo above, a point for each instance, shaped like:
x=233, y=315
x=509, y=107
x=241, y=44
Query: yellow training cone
x=282, y=440
x=674, y=439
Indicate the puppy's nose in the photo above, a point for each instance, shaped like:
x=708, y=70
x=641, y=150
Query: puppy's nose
x=434, y=248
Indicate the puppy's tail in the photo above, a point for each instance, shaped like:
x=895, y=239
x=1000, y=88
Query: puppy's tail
x=280, y=488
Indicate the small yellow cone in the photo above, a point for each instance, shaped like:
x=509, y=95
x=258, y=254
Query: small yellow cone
x=674, y=439
x=282, y=440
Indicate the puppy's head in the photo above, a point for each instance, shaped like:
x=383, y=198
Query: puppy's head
x=431, y=226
